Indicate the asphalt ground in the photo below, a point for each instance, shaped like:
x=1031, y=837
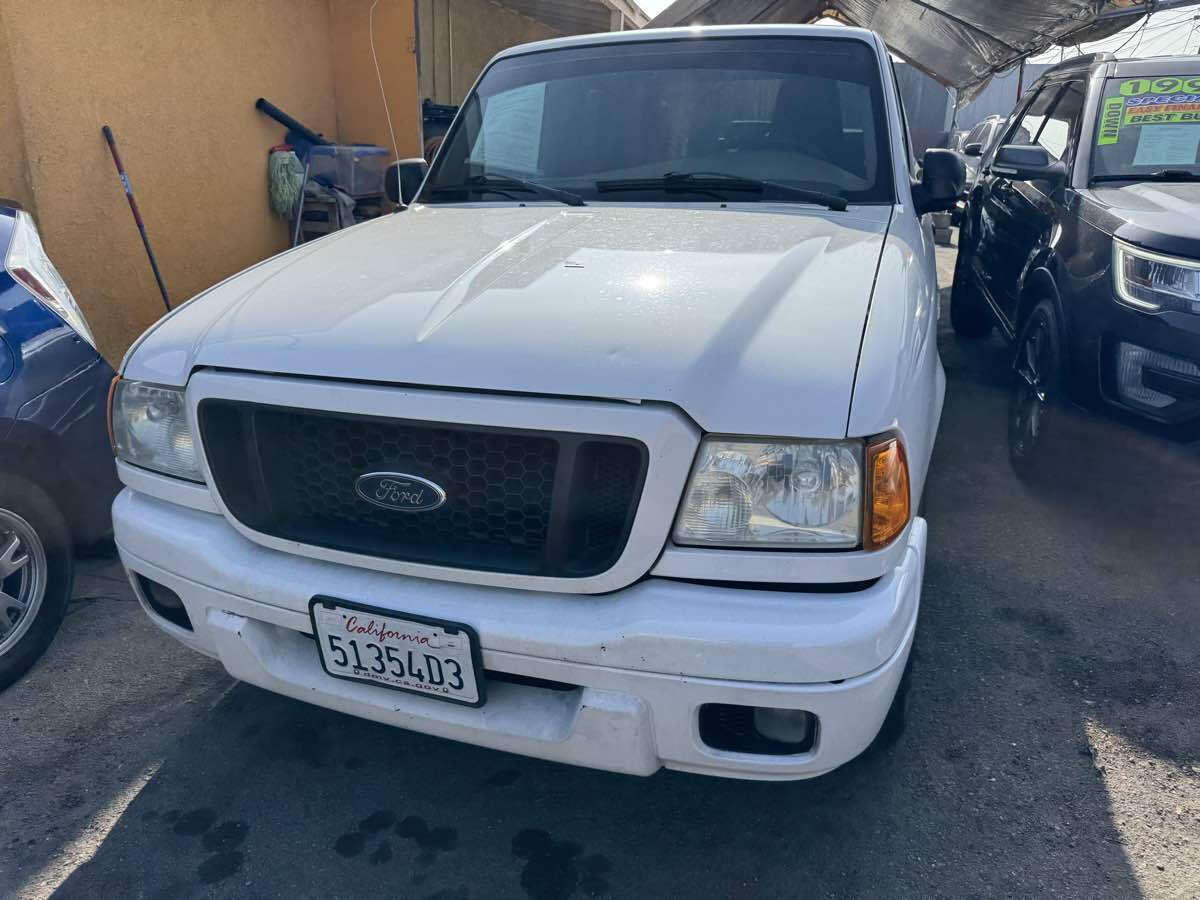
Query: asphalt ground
x=1052, y=745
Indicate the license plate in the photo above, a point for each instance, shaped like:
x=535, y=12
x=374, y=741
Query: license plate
x=403, y=651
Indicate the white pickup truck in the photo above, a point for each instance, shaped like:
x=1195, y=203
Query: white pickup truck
x=606, y=449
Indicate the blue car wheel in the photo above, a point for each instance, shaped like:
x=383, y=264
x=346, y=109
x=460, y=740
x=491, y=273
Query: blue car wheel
x=35, y=574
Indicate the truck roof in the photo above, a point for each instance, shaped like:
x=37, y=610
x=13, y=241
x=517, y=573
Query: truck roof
x=1156, y=65
x=1125, y=68
x=705, y=31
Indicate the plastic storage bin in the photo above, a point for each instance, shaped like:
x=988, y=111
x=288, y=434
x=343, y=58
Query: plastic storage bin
x=357, y=169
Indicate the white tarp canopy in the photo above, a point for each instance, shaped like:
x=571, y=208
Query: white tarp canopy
x=961, y=43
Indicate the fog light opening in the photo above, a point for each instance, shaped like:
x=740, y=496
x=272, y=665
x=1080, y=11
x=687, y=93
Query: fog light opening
x=764, y=730
x=787, y=726
x=165, y=602
x=1135, y=363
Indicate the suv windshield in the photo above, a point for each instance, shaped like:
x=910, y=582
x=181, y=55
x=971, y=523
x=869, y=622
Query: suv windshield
x=760, y=119
x=1148, y=128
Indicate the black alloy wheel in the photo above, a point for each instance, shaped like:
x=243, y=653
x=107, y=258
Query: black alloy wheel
x=1036, y=393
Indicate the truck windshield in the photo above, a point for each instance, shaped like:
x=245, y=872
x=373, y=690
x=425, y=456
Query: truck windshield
x=1148, y=128
x=754, y=116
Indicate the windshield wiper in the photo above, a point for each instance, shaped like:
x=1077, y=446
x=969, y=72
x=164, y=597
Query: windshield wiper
x=501, y=184
x=1160, y=175
x=707, y=182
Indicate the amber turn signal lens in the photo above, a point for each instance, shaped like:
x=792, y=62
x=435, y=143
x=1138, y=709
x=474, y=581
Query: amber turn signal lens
x=887, y=493
x=112, y=389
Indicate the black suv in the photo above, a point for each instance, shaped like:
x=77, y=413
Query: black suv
x=1081, y=241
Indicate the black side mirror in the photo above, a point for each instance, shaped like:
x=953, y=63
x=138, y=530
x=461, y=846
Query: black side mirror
x=942, y=180
x=975, y=148
x=1028, y=162
x=403, y=178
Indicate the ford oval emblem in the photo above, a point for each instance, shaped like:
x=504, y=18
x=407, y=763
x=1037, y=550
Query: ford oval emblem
x=398, y=490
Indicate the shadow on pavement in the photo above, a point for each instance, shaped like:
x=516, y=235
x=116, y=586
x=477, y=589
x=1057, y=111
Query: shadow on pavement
x=1100, y=547
x=267, y=797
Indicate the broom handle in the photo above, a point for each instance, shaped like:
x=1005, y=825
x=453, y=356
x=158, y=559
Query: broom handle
x=137, y=216
x=300, y=206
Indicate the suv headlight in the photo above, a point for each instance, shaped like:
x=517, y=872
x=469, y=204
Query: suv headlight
x=795, y=494
x=150, y=429
x=1154, y=282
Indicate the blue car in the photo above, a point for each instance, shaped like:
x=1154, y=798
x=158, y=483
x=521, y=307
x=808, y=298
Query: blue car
x=57, y=477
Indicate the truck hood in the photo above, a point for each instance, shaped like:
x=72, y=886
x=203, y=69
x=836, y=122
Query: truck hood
x=750, y=320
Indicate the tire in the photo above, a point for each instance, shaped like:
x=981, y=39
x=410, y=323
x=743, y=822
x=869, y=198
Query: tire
x=1036, y=397
x=970, y=315
x=36, y=574
x=896, y=720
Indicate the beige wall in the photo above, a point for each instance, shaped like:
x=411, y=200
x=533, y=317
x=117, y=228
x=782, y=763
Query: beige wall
x=361, y=116
x=177, y=82
x=471, y=32
x=14, y=169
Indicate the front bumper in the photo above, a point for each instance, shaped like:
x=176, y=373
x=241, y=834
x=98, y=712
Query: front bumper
x=1167, y=344
x=641, y=660
x=1164, y=365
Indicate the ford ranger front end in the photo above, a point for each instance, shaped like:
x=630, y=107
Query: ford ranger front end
x=606, y=450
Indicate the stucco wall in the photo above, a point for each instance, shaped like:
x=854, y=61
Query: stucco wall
x=177, y=83
x=361, y=116
x=14, y=171
x=470, y=32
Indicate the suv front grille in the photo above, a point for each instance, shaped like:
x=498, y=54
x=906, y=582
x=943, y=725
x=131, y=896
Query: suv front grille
x=526, y=502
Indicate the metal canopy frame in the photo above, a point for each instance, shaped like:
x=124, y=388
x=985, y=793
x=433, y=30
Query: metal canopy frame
x=960, y=43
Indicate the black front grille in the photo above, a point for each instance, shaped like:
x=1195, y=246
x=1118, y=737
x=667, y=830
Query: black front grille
x=527, y=502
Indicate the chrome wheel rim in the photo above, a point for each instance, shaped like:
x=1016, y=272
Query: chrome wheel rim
x=23, y=575
x=1031, y=399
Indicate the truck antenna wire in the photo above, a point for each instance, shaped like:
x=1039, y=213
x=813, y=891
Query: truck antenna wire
x=379, y=75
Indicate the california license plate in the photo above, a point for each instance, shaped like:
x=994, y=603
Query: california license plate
x=406, y=652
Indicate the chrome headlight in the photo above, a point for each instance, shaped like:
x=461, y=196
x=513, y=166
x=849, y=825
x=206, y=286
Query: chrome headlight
x=1154, y=282
x=773, y=494
x=150, y=429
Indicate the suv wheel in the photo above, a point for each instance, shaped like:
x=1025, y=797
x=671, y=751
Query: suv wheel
x=1036, y=390
x=970, y=314
x=35, y=574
